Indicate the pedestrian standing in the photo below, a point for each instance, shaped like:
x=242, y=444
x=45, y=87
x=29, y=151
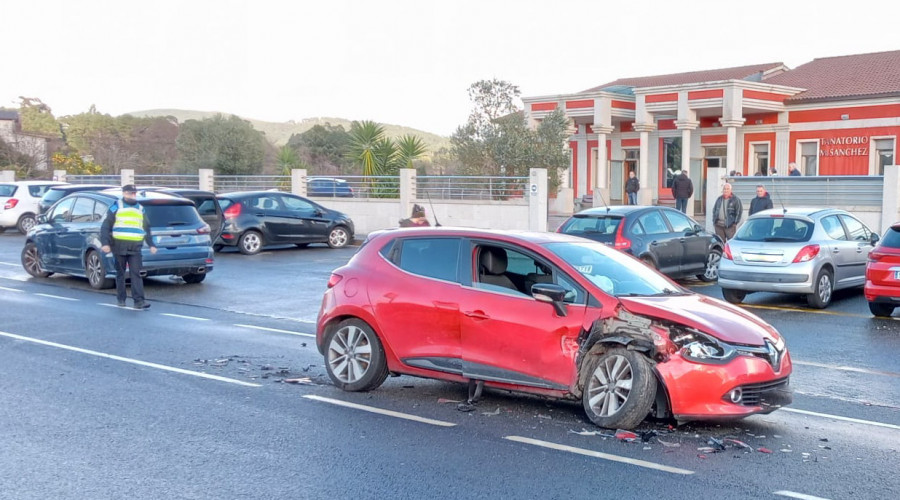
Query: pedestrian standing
x=792, y=169
x=727, y=213
x=632, y=186
x=417, y=219
x=762, y=200
x=682, y=189
x=124, y=232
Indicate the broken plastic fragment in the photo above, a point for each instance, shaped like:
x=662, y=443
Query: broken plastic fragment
x=786, y=450
x=763, y=450
x=304, y=380
x=668, y=444
x=647, y=435
x=465, y=407
x=445, y=400
x=740, y=444
x=491, y=413
x=716, y=444
x=706, y=449
x=627, y=436
x=545, y=417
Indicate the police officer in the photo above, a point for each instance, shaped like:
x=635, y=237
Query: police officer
x=124, y=231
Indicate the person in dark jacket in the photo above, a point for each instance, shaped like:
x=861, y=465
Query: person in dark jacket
x=792, y=169
x=682, y=189
x=417, y=219
x=762, y=200
x=727, y=213
x=124, y=232
x=632, y=186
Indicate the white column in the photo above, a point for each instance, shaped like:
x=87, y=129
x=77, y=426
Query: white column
x=782, y=144
x=731, y=150
x=298, y=181
x=127, y=176
x=537, y=199
x=582, y=152
x=601, y=179
x=891, y=197
x=407, y=191
x=206, y=179
x=7, y=175
x=686, y=127
x=645, y=195
x=59, y=175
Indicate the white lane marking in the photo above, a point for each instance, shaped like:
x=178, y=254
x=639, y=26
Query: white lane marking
x=794, y=494
x=597, y=454
x=275, y=330
x=185, y=317
x=838, y=417
x=845, y=368
x=10, y=289
x=128, y=360
x=8, y=264
x=380, y=411
x=56, y=297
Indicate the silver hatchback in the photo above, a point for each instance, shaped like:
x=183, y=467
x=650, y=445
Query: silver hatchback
x=810, y=251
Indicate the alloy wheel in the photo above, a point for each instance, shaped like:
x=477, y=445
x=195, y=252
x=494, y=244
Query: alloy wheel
x=251, y=243
x=95, y=271
x=610, y=385
x=350, y=354
x=825, y=288
x=338, y=238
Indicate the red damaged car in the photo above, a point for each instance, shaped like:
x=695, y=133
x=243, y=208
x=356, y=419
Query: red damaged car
x=546, y=314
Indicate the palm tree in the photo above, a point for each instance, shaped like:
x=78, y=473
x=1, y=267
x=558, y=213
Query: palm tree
x=364, y=137
x=409, y=148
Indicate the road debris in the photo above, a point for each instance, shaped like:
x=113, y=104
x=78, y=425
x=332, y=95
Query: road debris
x=445, y=400
x=763, y=450
x=667, y=444
x=716, y=444
x=491, y=413
x=739, y=443
x=303, y=380
x=627, y=436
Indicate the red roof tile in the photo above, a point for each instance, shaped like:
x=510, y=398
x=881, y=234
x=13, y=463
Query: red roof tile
x=753, y=72
x=860, y=75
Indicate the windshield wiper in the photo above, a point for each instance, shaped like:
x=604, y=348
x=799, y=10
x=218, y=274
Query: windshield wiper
x=667, y=291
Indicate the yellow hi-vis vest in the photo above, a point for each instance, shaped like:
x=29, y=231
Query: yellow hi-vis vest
x=129, y=224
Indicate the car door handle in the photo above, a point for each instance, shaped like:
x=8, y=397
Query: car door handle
x=654, y=243
x=835, y=250
x=477, y=314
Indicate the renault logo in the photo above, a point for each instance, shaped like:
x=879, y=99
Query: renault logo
x=774, y=355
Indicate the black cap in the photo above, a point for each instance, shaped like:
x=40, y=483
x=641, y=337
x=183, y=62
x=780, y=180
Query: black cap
x=129, y=188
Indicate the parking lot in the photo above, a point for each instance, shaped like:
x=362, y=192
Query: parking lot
x=218, y=390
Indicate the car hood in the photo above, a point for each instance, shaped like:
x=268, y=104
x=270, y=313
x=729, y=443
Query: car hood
x=714, y=317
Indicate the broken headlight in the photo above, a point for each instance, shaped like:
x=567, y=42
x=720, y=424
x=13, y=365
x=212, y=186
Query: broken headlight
x=703, y=348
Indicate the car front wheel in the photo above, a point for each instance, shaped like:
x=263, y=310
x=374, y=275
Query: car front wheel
x=31, y=261
x=354, y=357
x=711, y=273
x=881, y=309
x=733, y=296
x=821, y=296
x=250, y=243
x=96, y=272
x=339, y=237
x=194, y=278
x=620, y=389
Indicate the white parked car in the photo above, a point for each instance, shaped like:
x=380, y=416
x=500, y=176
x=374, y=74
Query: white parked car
x=19, y=203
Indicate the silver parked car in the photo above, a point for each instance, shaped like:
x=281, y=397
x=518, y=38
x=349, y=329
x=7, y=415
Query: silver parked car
x=811, y=251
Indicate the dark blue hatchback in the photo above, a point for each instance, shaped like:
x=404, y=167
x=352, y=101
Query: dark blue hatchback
x=66, y=239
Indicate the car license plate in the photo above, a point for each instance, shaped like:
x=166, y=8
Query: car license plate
x=173, y=241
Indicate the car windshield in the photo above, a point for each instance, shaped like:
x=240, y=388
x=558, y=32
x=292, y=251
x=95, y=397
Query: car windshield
x=581, y=224
x=784, y=229
x=614, y=272
x=172, y=215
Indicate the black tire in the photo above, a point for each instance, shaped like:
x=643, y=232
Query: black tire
x=881, y=309
x=26, y=222
x=367, y=368
x=218, y=247
x=733, y=296
x=711, y=273
x=250, y=243
x=194, y=278
x=95, y=270
x=338, y=237
x=620, y=408
x=31, y=261
x=823, y=290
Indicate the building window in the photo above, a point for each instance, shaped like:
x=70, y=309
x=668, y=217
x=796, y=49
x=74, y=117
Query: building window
x=715, y=156
x=672, y=158
x=884, y=154
x=761, y=159
x=809, y=158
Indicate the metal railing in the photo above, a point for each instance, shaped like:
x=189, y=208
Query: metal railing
x=814, y=191
x=355, y=186
x=471, y=188
x=168, y=180
x=112, y=180
x=232, y=183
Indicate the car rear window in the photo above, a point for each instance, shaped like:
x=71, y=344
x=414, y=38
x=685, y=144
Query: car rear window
x=172, y=215
x=7, y=190
x=891, y=238
x=52, y=195
x=37, y=191
x=783, y=229
x=591, y=224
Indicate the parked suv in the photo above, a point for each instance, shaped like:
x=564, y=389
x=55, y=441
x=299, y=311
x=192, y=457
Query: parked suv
x=328, y=186
x=19, y=203
x=882, y=287
x=55, y=193
x=254, y=219
x=809, y=251
x=67, y=239
x=662, y=237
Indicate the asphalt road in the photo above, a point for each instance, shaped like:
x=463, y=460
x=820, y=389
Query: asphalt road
x=190, y=400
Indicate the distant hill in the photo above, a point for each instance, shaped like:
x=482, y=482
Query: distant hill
x=279, y=133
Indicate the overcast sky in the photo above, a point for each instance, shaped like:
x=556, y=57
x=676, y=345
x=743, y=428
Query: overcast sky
x=400, y=62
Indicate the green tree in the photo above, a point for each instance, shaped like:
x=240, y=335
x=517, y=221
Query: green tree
x=324, y=147
x=230, y=145
x=409, y=148
x=37, y=117
x=364, y=141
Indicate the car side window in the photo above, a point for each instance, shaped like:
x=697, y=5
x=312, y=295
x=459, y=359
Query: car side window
x=267, y=202
x=833, y=228
x=100, y=210
x=296, y=204
x=679, y=222
x=432, y=257
x=207, y=207
x=855, y=228
x=653, y=223
x=61, y=211
x=83, y=210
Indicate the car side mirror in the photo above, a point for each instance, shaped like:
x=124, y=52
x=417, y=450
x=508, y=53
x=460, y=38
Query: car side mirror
x=550, y=293
x=873, y=238
x=42, y=219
